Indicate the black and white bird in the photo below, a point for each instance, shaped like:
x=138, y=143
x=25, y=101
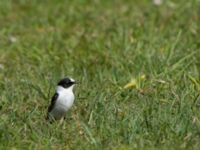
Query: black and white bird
x=62, y=100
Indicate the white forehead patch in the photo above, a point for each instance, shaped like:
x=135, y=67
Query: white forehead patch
x=72, y=79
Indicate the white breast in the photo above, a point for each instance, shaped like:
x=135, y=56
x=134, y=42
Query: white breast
x=63, y=103
x=65, y=99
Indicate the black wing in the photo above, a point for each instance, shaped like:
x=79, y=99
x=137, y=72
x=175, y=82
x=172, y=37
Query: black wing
x=53, y=101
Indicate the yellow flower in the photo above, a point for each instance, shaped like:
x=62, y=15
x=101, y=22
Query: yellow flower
x=133, y=83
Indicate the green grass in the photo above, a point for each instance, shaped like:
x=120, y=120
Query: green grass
x=102, y=44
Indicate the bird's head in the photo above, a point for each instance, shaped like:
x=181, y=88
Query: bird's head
x=67, y=83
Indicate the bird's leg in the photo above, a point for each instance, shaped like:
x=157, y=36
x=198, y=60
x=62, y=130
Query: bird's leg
x=61, y=121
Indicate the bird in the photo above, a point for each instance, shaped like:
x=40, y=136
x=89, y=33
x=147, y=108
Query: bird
x=62, y=100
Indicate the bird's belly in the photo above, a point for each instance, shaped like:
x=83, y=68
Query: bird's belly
x=61, y=107
x=58, y=112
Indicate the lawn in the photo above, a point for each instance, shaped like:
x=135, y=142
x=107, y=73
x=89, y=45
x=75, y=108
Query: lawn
x=138, y=65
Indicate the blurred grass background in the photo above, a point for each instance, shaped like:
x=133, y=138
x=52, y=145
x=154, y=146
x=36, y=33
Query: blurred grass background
x=103, y=44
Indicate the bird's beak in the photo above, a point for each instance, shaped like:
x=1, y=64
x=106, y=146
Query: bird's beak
x=76, y=82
